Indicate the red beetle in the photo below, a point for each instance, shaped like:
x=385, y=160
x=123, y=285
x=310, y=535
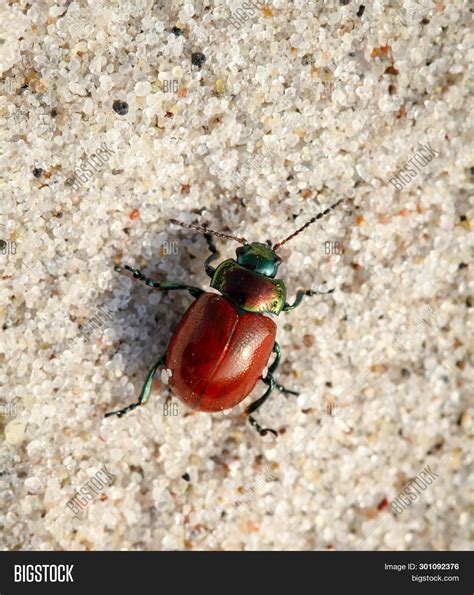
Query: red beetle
x=222, y=344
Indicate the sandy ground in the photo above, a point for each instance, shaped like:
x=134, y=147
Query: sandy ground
x=113, y=123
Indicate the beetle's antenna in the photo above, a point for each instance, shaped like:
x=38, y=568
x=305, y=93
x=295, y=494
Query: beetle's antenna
x=307, y=224
x=204, y=229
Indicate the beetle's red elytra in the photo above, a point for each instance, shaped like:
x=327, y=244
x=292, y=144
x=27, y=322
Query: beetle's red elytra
x=224, y=341
x=217, y=354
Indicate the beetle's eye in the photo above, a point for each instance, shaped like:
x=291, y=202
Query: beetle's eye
x=277, y=260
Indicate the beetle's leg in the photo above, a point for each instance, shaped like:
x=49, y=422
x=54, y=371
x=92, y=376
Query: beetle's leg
x=271, y=385
x=214, y=254
x=165, y=285
x=300, y=295
x=276, y=361
x=144, y=394
x=273, y=367
x=258, y=403
x=286, y=391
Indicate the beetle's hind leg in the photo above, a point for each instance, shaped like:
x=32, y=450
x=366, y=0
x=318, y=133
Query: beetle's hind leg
x=284, y=390
x=214, y=254
x=145, y=392
x=271, y=370
x=254, y=406
x=271, y=385
x=269, y=379
x=258, y=403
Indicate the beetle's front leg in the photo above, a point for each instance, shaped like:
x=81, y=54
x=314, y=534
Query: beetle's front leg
x=145, y=392
x=165, y=285
x=300, y=295
x=214, y=254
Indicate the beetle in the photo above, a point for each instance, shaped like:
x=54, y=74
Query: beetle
x=224, y=341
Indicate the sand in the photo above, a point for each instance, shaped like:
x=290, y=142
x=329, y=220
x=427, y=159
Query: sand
x=112, y=124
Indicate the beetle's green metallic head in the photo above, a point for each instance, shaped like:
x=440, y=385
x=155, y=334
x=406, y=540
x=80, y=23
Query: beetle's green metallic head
x=259, y=258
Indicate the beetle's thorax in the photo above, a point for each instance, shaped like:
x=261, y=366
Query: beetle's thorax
x=247, y=289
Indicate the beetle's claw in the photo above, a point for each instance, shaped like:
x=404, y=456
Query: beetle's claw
x=312, y=292
x=264, y=431
x=118, y=269
x=110, y=413
x=120, y=413
x=258, y=427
